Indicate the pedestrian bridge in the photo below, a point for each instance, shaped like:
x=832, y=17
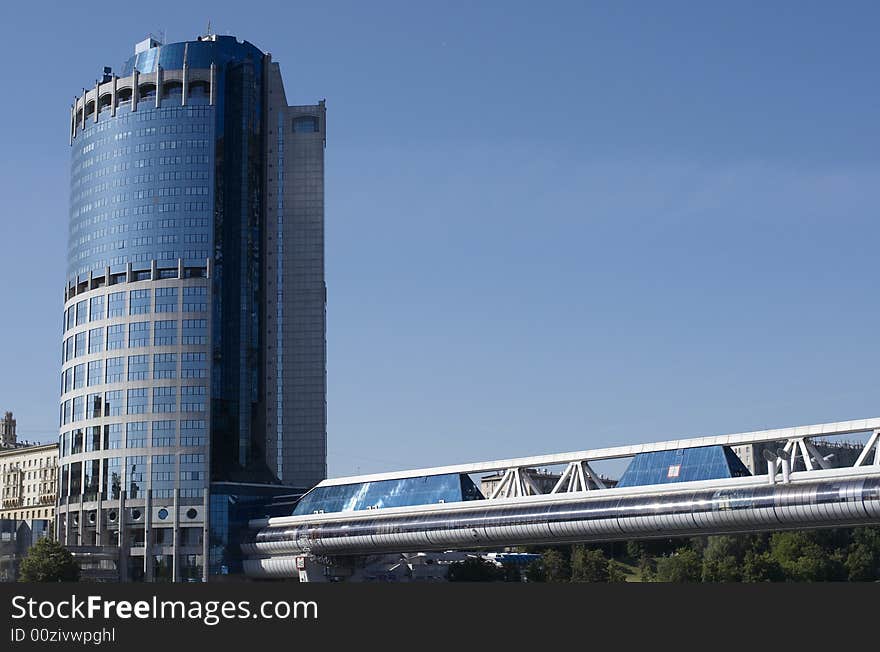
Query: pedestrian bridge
x=672, y=488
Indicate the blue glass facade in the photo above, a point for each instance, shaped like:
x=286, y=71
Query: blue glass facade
x=141, y=189
x=165, y=329
x=683, y=465
x=402, y=492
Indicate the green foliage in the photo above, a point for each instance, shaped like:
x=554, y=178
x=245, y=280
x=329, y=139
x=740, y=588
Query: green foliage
x=535, y=572
x=511, y=573
x=557, y=567
x=474, y=570
x=684, y=565
x=803, y=558
x=797, y=556
x=863, y=557
x=48, y=561
x=761, y=567
x=615, y=572
x=647, y=568
x=634, y=550
x=722, y=556
x=588, y=565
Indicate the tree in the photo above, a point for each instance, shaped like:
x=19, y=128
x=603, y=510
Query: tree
x=761, y=567
x=647, y=568
x=803, y=557
x=48, y=561
x=588, y=565
x=615, y=572
x=683, y=566
x=863, y=558
x=511, y=573
x=721, y=559
x=535, y=572
x=556, y=566
x=474, y=569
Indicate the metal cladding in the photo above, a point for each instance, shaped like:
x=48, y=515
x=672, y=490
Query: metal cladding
x=846, y=501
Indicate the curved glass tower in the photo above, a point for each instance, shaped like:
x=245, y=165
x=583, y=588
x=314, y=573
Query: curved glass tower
x=193, y=355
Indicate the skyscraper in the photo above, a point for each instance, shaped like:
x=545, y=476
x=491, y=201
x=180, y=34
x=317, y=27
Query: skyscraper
x=193, y=359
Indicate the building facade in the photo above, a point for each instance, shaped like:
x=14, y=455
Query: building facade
x=193, y=355
x=28, y=476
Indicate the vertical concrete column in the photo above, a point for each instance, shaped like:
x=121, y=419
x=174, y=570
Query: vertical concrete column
x=99, y=517
x=148, y=520
x=113, y=99
x=213, y=94
x=72, y=129
x=180, y=268
x=158, y=85
x=82, y=120
x=184, y=83
x=175, y=537
x=185, y=77
x=154, y=271
x=97, y=99
x=206, y=519
x=82, y=522
x=129, y=275
x=122, y=540
x=135, y=90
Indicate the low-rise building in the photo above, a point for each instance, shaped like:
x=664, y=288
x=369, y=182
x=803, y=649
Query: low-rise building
x=836, y=453
x=28, y=476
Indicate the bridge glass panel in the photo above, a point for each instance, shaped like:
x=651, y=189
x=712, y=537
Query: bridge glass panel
x=400, y=492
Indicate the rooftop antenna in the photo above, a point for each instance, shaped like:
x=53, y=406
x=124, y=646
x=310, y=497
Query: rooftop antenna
x=209, y=27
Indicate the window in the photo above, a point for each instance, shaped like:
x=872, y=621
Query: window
x=112, y=436
x=136, y=434
x=164, y=365
x=80, y=345
x=165, y=332
x=81, y=310
x=93, y=406
x=138, y=367
x=136, y=471
x=192, y=398
x=111, y=484
x=163, y=476
x=79, y=376
x=115, y=337
x=115, y=368
x=139, y=334
x=139, y=302
x=95, y=373
x=78, y=408
x=193, y=432
x=195, y=331
x=113, y=403
x=68, y=349
x=93, y=435
x=305, y=124
x=195, y=299
x=96, y=340
x=165, y=399
x=137, y=401
x=193, y=365
x=116, y=304
x=76, y=441
x=164, y=433
x=96, y=308
x=166, y=299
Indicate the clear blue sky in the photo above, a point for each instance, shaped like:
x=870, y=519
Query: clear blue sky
x=550, y=226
